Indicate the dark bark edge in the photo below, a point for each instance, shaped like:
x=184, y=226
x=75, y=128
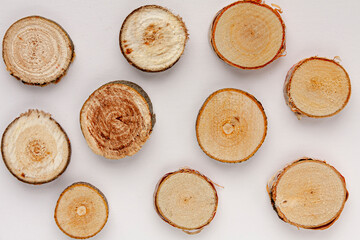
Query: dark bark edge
x=123, y=51
x=91, y=187
x=8, y=167
x=56, y=80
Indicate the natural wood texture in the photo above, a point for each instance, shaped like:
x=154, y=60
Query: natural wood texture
x=152, y=38
x=308, y=193
x=81, y=211
x=37, y=51
x=248, y=34
x=117, y=119
x=317, y=87
x=35, y=148
x=186, y=199
x=231, y=125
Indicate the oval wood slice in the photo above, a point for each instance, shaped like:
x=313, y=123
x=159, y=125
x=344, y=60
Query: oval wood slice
x=81, y=210
x=317, y=87
x=152, y=38
x=35, y=148
x=37, y=51
x=186, y=199
x=308, y=193
x=248, y=34
x=117, y=119
x=231, y=125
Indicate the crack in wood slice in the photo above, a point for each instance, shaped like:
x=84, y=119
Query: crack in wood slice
x=35, y=148
x=117, y=119
x=186, y=199
x=317, y=87
x=308, y=193
x=81, y=211
x=152, y=38
x=37, y=51
x=248, y=34
x=231, y=125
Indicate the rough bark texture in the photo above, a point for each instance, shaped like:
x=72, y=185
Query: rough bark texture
x=117, y=119
x=252, y=32
x=34, y=52
x=318, y=83
x=185, y=198
x=231, y=125
x=81, y=220
x=274, y=196
x=39, y=156
x=155, y=38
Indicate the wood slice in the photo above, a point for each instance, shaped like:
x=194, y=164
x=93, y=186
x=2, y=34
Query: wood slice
x=37, y=51
x=308, y=193
x=248, y=34
x=186, y=199
x=81, y=211
x=117, y=119
x=35, y=148
x=317, y=87
x=231, y=125
x=152, y=38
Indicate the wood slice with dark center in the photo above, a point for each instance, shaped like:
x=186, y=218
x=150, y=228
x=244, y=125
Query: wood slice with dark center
x=117, y=119
x=152, y=38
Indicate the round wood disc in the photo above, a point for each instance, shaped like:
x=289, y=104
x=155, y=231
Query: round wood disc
x=35, y=148
x=317, y=87
x=308, y=193
x=81, y=210
x=37, y=51
x=231, y=125
x=152, y=38
x=248, y=34
x=117, y=119
x=186, y=199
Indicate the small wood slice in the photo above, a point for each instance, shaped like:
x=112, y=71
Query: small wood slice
x=317, y=87
x=248, y=34
x=186, y=199
x=81, y=211
x=152, y=38
x=35, y=148
x=37, y=51
x=231, y=125
x=117, y=119
x=308, y=193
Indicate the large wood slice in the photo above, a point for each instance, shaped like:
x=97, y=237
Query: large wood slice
x=231, y=125
x=81, y=210
x=35, y=148
x=37, y=51
x=248, y=34
x=186, y=199
x=308, y=193
x=152, y=38
x=117, y=119
x=317, y=87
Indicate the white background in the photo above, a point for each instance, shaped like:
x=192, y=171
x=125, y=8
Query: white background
x=326, y=28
